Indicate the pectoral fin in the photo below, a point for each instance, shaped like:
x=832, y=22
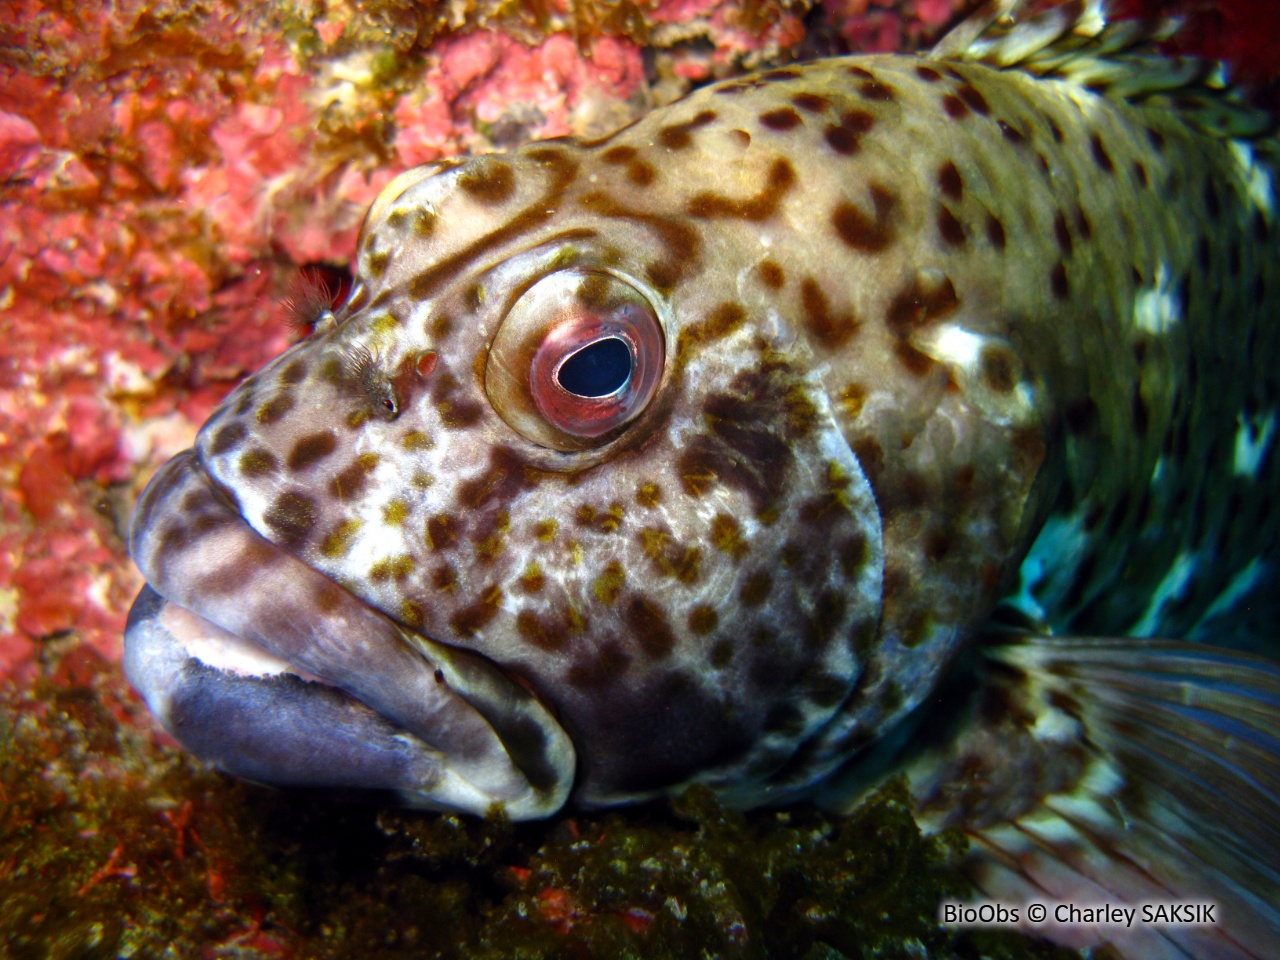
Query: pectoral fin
x=1131, y=772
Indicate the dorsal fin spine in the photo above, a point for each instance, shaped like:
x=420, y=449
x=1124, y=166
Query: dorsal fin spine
x=1076, y=43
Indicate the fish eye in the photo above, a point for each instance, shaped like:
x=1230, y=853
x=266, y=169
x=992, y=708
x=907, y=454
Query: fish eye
x=578, y=356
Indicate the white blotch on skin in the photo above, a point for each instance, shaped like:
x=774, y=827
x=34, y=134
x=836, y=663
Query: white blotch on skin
x=1170, y=588
x=1057, y=553
x=215, y=647
x=1241, y=584
x=959, y=345
x=1252, y=439
x=1157, y=308
x=1256, y=177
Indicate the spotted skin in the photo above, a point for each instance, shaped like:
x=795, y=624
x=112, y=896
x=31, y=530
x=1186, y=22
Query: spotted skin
x=923, y=319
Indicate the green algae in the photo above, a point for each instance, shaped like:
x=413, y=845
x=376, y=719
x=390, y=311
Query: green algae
x=114, y=844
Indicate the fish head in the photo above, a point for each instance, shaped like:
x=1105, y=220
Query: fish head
x=554, y=494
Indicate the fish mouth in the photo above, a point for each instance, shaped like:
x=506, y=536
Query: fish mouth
x=263, y=666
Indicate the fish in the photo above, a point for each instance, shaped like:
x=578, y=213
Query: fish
x=885, y=415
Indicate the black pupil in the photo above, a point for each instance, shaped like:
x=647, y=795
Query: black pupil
x=598, y=369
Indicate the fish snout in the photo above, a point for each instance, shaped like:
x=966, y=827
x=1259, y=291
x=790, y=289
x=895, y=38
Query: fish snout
x=273, y=672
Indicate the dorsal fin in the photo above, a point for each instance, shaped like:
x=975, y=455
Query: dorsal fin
x=1074, y=41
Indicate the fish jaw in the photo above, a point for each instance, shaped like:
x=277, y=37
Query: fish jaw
x=298, y=682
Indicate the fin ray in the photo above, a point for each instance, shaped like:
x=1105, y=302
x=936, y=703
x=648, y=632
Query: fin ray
x=1128, y=771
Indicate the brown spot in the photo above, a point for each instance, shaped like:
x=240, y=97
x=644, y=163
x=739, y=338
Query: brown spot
x=998, y=369
x=780, y=73
x=488, y=181
x=854, y=554
x=974, y=100
x=844, y=137
x=771, y=275
x=1140, y=174
x=726, y=535
x=811, y=102
x=376, y=263
x=311, y=449
x=474, y=617
x=755, y=589
x=955, y=107
x=721, y=654
x=608, y=664
x=1082, y=223
x=1011, y=133
x=1141, y=416
x=350, y=482
x=532, y=579
x=870, y=456
x=782, y=119
x=649, y=627
x=338, y=541
x=641, y=173
x=411, y=613
x=290, y=517
x=1212, y=202
x=828, y=614
x=295, y=372
x=648, y=495
x=927, y=298
x=1082, y=416
x=619, y=155
x=995, y=232
x=874, y=90
x=444, y=578
x=949, y=228
x=392, y=568
x=678, y=136
x=852, y=398
x=275, y=408
x=912, y=360
x=532, y=629
x=703, y=620
x=424, y=222
x=608, y=585
x=1055, y=131
x=950, y=181
x=501, y=481
x=721, y=322
x=764, y=204
x=671, y=559
x=1063, y=233
x=1100, y=155
x=257, y=462
x=1156, y=139
x=831, y=330
x=1058, y=282
x=928, y=74
x=863, y=233
x=442, y=532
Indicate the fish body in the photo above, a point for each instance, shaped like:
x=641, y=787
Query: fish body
x=699, y=453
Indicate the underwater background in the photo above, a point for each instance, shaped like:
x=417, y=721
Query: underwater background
x=168, y=170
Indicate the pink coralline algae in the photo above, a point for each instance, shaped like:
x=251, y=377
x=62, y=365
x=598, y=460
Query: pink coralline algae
x=163, y=182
